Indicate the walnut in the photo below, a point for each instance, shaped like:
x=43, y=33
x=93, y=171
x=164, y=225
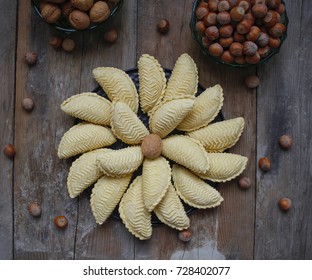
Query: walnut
x=79, y=20
x=51, y=12
x=83, y=5
x=99, y=12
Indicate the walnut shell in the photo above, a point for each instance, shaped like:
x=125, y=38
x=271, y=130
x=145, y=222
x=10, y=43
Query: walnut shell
x=55, y=1
x=51, y=12
x=79, y=20
x=99, y=12
x=83, y=5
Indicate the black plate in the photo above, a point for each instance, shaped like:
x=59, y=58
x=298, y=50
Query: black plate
x=133, y=74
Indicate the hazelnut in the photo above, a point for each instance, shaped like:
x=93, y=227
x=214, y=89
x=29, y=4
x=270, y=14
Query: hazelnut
x=185, y=235
x=239, y=37
x=212, y=32
x=249, y=48
x=244, y=183
x=67, y=8
x=206, y=42
x=83, y=5
x=264, y=164
x=224, y=18
x=253, y=34
x=244, y=4
x=56, y=1
x=34, y=209
x=273, y=3
x=259, y=10
x=68, y=45
x=51, y=12
x=163, y=26
x=274, y=42
x=264, y=52
x=236, y=49
x=79, y=20
x=60, y=221
x=277, y=30
x=210, y=19
x=30, y=58
x=237, y=13
x=253, y=59
x=284, y=204
x=223, y=6
x=280, y=9
x=9, y=150
x=227, y=57
x=263, y=39
x=252, y=81
x=201, y=12
x=226, y=42
x=28, y=104
x=151, y=146
x=244, y=26
x=285, y=141
x=215, y=49
x=240, y=60
x=200, y=26
x=213, y=5
x=203, y=4
x=99, y=12
x=270, y=18
x=56, y=42
x=226, y=31
x=249, y=16
x=111, y=36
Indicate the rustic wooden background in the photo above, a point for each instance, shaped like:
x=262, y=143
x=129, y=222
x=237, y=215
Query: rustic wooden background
x=248, y=225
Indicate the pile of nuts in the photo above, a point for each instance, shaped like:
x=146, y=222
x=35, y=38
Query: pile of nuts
x=240, y=31
x=80, y=14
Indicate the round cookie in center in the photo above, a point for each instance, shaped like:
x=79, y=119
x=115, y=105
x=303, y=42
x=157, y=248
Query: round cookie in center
x=151, y=146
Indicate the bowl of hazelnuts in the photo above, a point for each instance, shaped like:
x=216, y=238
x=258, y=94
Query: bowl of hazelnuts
x=76, y=15
x=239, y=33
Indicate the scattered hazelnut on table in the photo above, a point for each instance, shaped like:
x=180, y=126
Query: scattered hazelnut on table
x=9, y=150
x=284, y=204
x=34, y=209
x=60, y=221
x=163, y=26
x=285, y=141
x=264, y=164
x=111, y=36
x=252, y=81
x=68, y=45
x=185, y=235
x=56, y=42
x=244, y=183
x=30, y=58
x=28, y=104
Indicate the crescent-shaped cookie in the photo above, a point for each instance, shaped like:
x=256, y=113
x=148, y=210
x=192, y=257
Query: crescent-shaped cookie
x=126, y=125
x=169, y=115
x=156, y=177
x=133, y=212
x=206, y=107
x=118, y=163
x=152, y=82
x=83, y=172
x=194, y=191
x=183, y=81
x=187, y=152
x=105, y=196
x=219, y=136
x=117, y=85
x=170, y=211
x=84, y=137
x=88, y=106
x=224, y=167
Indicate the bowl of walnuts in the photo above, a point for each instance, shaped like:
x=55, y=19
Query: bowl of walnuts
x=239, y=33
x=76, y=15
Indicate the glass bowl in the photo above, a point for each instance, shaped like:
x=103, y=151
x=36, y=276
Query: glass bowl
x=63, y=24
x=198, y=38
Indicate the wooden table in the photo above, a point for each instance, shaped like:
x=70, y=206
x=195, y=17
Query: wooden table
x=248, y=225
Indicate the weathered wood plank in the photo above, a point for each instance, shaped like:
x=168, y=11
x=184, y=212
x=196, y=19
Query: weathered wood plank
x=111, y=240
x=39, y=174
x=284, y=106
x=225, y=232
x=7, y=81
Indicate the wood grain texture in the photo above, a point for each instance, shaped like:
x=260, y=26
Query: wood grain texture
x=7, y=81
x=110, y=240
x=39, y=174
x=229, y=229
x=284, y=107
